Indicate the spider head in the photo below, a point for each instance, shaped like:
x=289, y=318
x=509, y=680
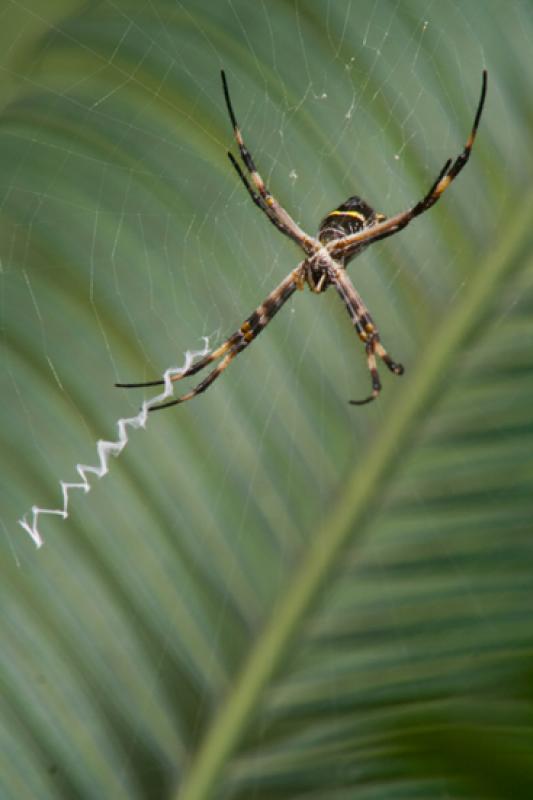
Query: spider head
x=351, y=217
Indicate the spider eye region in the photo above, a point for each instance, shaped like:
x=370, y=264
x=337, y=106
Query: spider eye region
x=350, y=217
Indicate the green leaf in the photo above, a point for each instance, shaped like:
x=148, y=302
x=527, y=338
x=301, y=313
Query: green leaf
x=271, y=593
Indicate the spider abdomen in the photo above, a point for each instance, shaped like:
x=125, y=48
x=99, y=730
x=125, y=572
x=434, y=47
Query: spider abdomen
x=351, y=217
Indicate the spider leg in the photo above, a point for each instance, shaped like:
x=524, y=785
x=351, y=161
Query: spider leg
x=260, y=194
x=376, y=383
x=258, y=200
x=239, y=341
x=393, y=366
x=366, y=330
x=251, y=327
x=206, y=383
x=348, y=245
x=199, y=365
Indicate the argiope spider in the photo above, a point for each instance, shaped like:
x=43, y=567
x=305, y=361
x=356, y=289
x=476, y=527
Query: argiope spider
x=343, y=234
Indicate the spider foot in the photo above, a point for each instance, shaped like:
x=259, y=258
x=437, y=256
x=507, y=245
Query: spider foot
x=392, y=365
x=398, y=369
x=376, y=383
x=138, y=385
x=368, y=399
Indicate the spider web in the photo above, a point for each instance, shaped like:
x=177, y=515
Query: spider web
x=128, y=241
x=367, y=80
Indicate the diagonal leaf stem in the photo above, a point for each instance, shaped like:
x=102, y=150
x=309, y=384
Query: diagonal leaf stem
x=361, y=491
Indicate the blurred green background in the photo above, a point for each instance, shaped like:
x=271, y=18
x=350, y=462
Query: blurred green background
x=272, y=593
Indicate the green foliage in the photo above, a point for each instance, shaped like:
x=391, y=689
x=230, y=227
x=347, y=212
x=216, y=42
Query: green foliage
x=272, y=593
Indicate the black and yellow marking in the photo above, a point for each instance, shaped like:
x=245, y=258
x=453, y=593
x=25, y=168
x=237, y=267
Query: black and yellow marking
x=247, y=332
x=350, y=217
x=354, y=214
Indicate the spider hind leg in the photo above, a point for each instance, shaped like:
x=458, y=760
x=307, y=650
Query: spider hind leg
x=196, y=367
x=374, y=347
x=376, y=383
x=394, y=366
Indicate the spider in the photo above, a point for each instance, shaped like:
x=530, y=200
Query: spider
x=343, y=234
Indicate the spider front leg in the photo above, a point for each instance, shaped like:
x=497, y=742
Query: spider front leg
x=346, y=247
x=366, y=330
x=258, y=191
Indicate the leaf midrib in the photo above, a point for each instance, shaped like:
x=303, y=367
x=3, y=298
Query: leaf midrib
x=362, y=488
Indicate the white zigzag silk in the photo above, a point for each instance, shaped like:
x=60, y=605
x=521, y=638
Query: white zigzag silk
x=107, y=449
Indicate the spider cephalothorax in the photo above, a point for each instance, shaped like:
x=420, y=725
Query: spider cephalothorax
x=343, y=234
